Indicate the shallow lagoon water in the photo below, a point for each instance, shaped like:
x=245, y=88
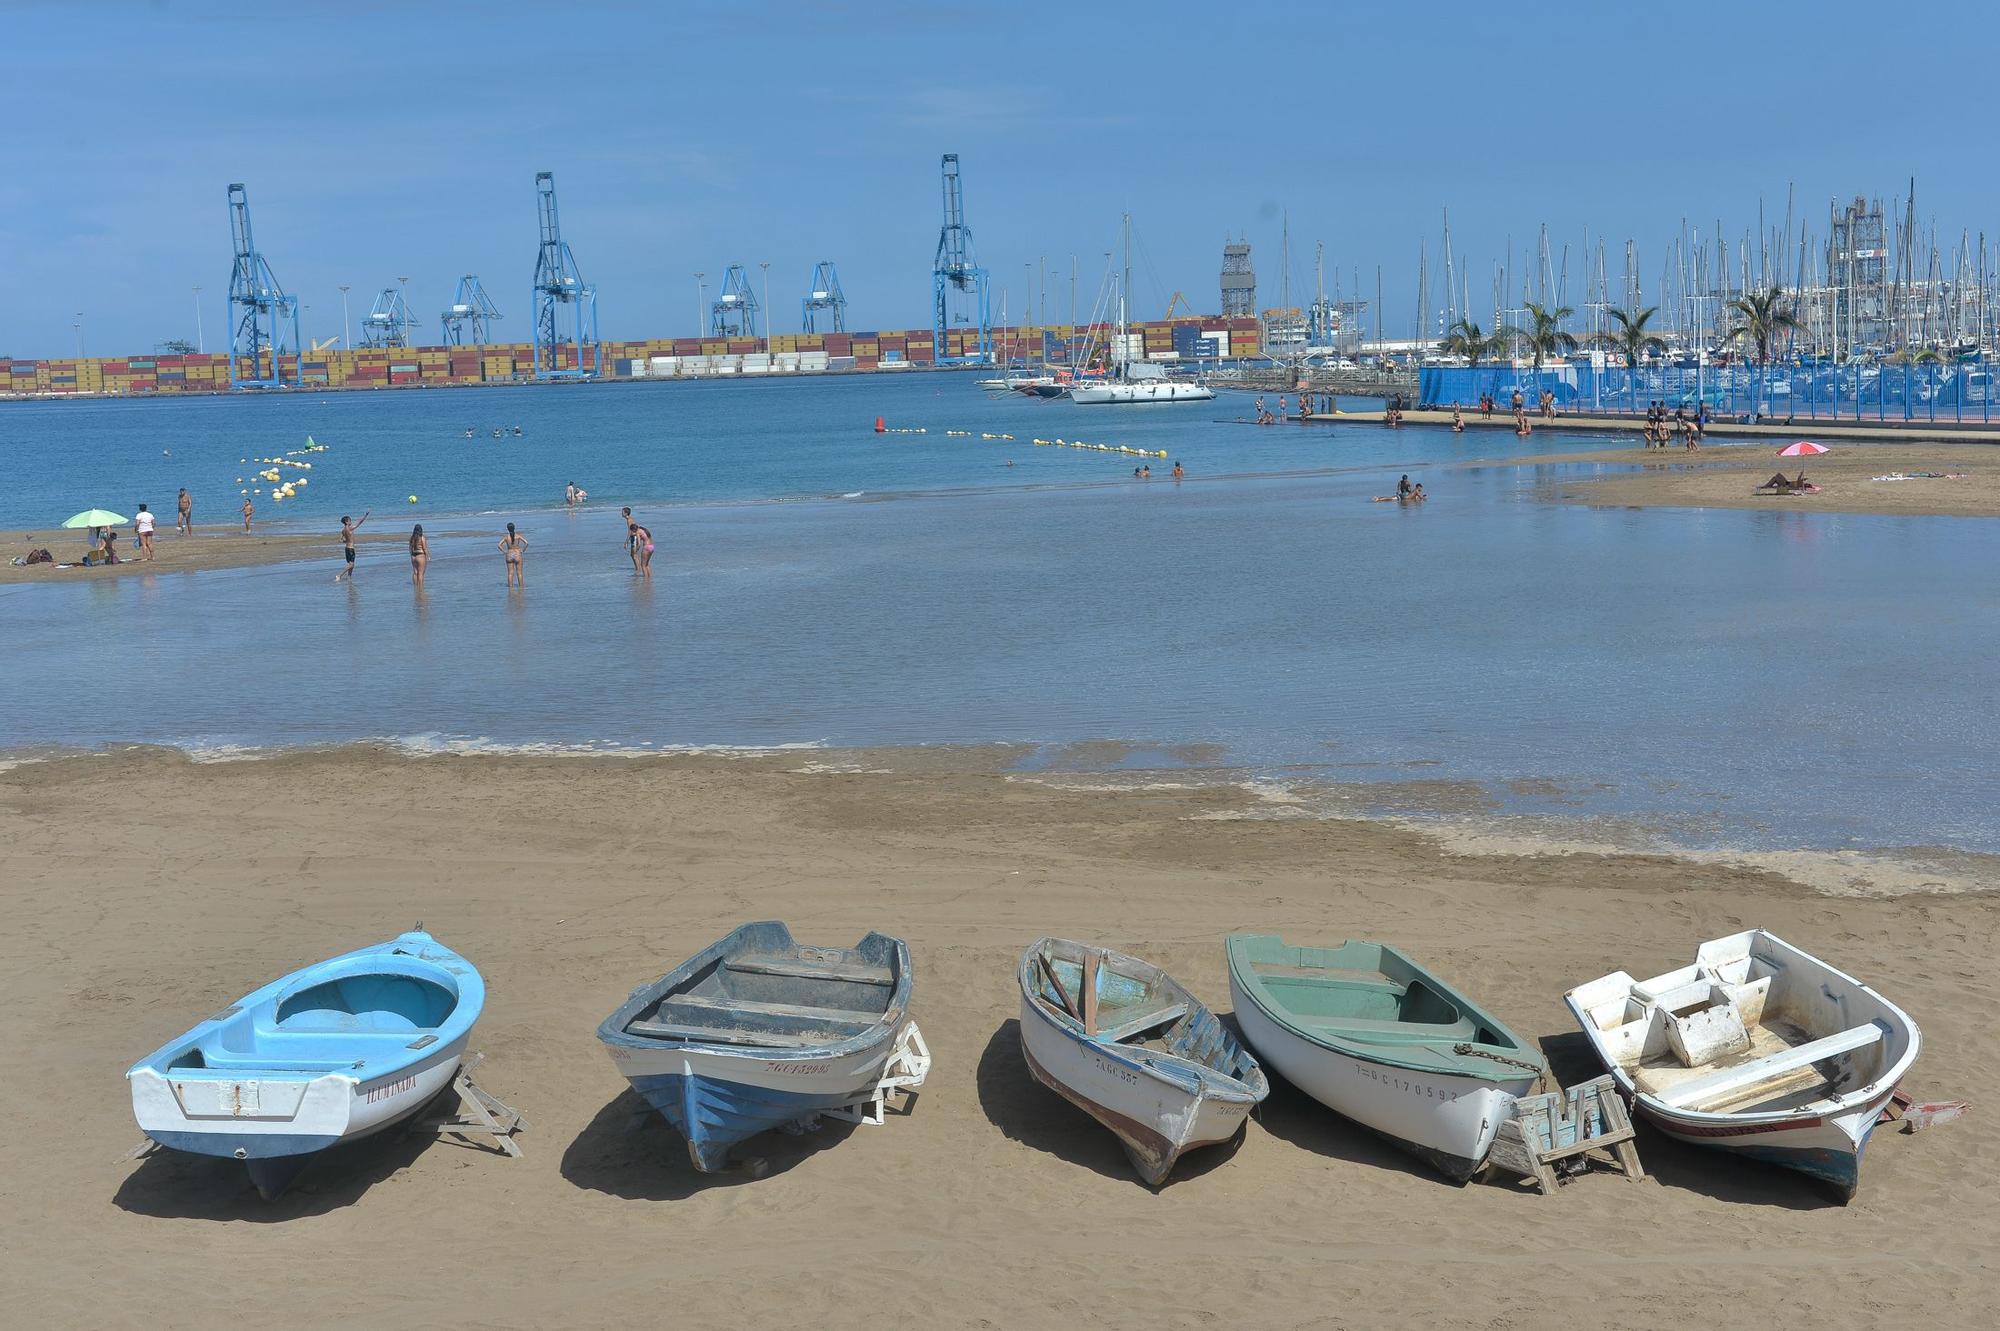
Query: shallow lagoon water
x=1742, y=679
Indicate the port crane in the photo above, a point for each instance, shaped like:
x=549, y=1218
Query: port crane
x=825, y=295
x=262, y=317
x=734, y=313
x=470, y=312
x=955, y=270
x=559, y=284
x=388, y=320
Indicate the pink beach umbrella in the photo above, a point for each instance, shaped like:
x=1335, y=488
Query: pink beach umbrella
x=1802, y=449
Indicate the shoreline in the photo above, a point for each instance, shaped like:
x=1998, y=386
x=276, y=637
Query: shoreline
x=1461, y=817
x=205, y=551
x=567, y=882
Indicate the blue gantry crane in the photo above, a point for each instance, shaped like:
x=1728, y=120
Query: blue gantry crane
x=956, y=271
x=470, y=314
x=388, y=321
x=559, y=285
x=824, y=303
x=734, y=313
x=262, y=318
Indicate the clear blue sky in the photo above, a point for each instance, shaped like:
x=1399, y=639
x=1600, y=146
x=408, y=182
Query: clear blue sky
x=382, y=139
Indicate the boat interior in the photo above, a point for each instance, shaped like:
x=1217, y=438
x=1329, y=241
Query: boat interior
x=1362, y=989
x=785, y=996
x=1120, y=1000
x=333, y=1022
x=1746, y=1029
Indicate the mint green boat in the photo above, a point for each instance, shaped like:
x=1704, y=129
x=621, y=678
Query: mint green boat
x=1373, y=1036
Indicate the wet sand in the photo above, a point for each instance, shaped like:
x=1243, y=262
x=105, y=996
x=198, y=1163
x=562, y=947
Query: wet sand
x=208, y=548
x=143, y=890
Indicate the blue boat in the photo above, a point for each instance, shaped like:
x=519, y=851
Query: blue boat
x=756, y=1031
x=339, y=1050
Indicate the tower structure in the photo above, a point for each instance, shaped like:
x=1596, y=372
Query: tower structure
x=957, y=271
x=1857, y=260
x=1239, y=281
x=388, y=321
x=469, y=315
x=263, y=320
x=565, y=305
x=734, y=313
x=824, y=304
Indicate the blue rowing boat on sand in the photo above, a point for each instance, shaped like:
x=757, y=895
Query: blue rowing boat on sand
x=338, y=1050
x=756, y=1031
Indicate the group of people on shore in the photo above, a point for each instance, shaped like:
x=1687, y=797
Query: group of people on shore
x=1661, y=429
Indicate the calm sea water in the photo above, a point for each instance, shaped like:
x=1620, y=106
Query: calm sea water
x=1749, y=679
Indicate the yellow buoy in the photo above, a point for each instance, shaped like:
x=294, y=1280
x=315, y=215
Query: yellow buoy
x=413, y=499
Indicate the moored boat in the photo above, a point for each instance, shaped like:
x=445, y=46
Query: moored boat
x=337, y=1050
x=756, y=1031
x=1758, y=1048
x=1372, y=1035
x=1123, y=1041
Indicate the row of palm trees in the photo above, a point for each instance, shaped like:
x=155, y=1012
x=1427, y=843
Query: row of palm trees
x=1760, y=316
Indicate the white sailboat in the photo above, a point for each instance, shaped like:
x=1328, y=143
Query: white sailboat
x=1135, y=381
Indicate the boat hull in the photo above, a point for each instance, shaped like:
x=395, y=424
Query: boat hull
x=1155, y=1117
x=1447, y=1122
x=1824, y=1147
x=1139, y=393
x=718, y=1098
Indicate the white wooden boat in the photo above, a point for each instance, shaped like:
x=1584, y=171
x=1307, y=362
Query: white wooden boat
x=1757, y=1048
x=340, y=1049
x=1122, y=1041
x=1372, y=1035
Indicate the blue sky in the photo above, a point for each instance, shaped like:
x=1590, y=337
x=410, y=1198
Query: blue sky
x=379, y=140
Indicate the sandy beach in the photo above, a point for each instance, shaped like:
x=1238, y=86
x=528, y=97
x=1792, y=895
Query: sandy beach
x=1966, y=482
x=208, y=548
x=143, y=890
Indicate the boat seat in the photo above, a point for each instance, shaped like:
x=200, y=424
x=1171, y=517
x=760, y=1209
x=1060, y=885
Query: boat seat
x=1728, y=1084
x=798, y=968
x=1145, y=1021
x=665, y=1030
x=705, y=1003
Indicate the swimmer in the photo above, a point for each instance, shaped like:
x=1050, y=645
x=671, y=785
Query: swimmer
x=1178, y=473
x=1457, y=421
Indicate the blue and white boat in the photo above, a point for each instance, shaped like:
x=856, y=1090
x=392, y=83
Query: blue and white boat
x=756, y=1031
x=339, y=1050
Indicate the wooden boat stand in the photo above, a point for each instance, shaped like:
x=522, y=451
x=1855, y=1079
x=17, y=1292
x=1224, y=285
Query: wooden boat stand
x=481, y=1114
x=909, y=1063
x=1563, y=1133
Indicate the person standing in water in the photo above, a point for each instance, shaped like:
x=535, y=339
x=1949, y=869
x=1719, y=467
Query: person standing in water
x=420, y=555
x=642, y=548
x=247, y=511
x=514, y=545
x=185, y=524
x=631, y=537
x=348, y=526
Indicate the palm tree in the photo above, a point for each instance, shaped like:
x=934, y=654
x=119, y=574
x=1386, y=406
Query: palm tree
x=1630, y=339
x=1465, y=338
x=1761, y=320
x=1543, y=336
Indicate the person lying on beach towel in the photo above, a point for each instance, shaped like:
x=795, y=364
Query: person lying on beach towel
x=1779, y=482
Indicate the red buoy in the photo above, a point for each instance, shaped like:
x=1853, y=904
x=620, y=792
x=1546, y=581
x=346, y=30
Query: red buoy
x=880, y=426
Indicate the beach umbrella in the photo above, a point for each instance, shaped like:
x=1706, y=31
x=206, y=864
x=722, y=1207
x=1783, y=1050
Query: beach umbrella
x=96, y=517
x=1802, y=449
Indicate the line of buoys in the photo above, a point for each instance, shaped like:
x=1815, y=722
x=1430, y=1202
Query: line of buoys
x=1126, y=449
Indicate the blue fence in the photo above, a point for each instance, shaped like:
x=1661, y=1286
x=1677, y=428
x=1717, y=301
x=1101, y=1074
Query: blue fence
x=1948, y=394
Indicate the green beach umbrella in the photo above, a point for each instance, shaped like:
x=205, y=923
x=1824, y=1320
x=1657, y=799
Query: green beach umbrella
x=96, y=517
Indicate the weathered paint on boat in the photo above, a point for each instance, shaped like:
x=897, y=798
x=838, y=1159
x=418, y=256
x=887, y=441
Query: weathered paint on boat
x=717, y=1085
x=1437, y=1083
x=1814, y=1116
x=334, y=1051
x=1195, y=1086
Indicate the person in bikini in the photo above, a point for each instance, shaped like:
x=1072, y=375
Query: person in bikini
x=420, y=555
x=514, y=545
